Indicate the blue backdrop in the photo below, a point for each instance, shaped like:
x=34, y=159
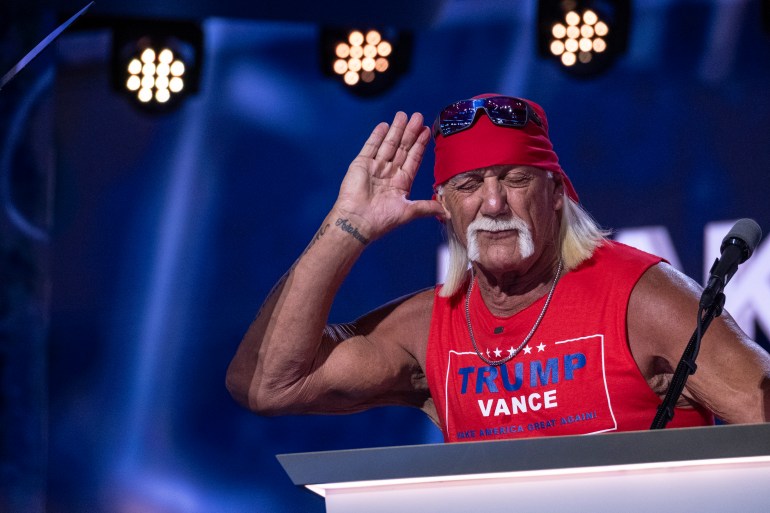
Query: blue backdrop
x=170, y=230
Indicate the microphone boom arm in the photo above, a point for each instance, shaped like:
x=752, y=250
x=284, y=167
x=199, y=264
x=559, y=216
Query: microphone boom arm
x=687, y=365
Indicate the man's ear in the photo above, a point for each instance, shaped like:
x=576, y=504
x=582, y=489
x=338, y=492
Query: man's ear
x=558, y=192
x=441, y=198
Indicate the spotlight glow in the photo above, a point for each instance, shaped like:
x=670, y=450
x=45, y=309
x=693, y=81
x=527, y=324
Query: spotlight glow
x=176, y=85
x=578, y=37
x=162, y=95
x=155, y=75
x=148, y=55
x=356, y=38
x=145, y=95
x=384, y=48
x=601, y=29
x=133, y=83
x=177, y=68
x=373, y=37
x=381, y=64
x=342, y=51
x=166, y=56
x=361, y=57
x=557, y=47
x=340, y=66
x=135, y=67
x=351, y=78
x=356, y=52
x=354, y=65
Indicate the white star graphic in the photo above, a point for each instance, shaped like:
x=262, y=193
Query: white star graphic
x=540, y=348
x=511, y=350
x=497, y=352
x=527, y=350
x=487, y=352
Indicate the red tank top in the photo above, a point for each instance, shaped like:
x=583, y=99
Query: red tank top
x=575, y=376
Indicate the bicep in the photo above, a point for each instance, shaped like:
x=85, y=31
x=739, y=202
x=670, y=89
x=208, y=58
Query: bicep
x=733, y=372
x=371, y=361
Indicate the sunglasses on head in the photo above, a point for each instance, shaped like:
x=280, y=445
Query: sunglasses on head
x=503, y=111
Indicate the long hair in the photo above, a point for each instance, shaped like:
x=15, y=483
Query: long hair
x=579, y=235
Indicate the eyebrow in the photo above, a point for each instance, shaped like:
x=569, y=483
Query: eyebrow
x=467, y=174
x=476, y=173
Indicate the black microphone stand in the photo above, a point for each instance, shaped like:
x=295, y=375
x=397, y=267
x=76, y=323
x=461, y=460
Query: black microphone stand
x=687, y=365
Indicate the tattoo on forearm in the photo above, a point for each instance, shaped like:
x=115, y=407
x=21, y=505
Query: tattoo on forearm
x=316, y=238
x=286, y=275
x=345, y=226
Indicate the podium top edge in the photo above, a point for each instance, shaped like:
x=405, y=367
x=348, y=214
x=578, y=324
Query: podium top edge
x=532, y=454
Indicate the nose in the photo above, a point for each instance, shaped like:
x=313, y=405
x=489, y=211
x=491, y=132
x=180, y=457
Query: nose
x=494, y=198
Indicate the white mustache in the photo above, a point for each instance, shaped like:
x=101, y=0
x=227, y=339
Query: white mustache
x=491, y=224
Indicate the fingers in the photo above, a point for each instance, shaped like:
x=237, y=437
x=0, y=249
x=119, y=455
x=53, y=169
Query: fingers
x=372, y=145
x=410, y=140
x=385, y=140
x=413, y=157
x=400, y=145
x=393, y=139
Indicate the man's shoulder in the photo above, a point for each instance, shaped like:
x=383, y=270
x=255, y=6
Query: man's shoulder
x=410, y=313
x=616, y=253
x=418, y=300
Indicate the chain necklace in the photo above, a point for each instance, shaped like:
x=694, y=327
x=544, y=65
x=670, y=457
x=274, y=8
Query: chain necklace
x=531, y=332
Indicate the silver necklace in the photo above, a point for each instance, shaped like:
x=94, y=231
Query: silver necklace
x=531, y=332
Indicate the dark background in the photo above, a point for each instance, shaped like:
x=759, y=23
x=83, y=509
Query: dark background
x=137, y=248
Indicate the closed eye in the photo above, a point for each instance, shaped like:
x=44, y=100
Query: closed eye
x=467, y=183
x=517, y=179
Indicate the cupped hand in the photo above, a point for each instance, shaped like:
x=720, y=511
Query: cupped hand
x=375, y=190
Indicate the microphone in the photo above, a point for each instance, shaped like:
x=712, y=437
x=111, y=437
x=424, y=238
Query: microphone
x=737, y=247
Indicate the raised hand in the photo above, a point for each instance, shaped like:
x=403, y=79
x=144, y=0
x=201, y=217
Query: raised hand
x=375, y=190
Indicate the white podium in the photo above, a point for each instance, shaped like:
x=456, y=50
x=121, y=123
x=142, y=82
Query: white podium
x=710, y=469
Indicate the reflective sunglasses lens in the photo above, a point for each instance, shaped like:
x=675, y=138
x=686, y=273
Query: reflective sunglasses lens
x=501, y=110
x=456, y=117
x=507, y=111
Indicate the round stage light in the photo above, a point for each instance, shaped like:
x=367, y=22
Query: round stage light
x=578, y=36
x=156, y=64
x=585, y=37
x=361, y=58
x=155, y=74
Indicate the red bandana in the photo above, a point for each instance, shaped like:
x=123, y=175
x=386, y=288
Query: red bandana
x=486, y=144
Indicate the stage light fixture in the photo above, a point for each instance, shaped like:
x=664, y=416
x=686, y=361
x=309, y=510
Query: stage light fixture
x=155, y=76
x=584, y=36
x=157, y=64
x=368, y=62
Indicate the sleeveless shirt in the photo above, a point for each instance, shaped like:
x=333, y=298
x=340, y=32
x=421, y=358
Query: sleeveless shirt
x=575, y=376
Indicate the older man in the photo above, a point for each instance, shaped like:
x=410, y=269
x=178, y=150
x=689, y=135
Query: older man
x=553, y=330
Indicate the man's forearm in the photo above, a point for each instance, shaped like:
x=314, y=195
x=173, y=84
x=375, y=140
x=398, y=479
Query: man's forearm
x=284, y=340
